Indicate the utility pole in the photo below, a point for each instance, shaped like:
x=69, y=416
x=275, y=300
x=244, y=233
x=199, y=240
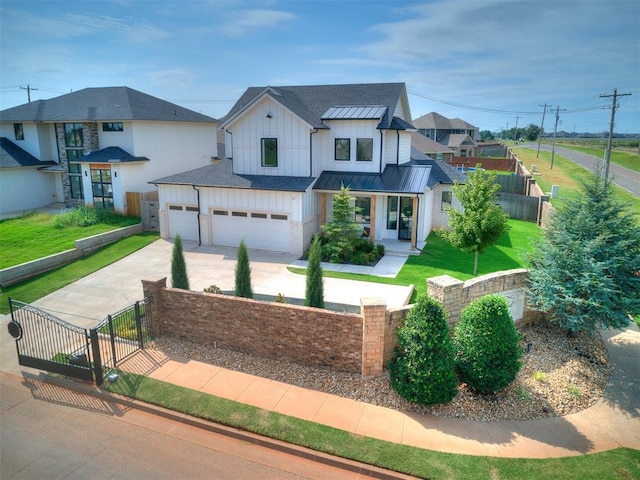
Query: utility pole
x=541, y=127
x=28, y=88
x=555, y=130
x=614, y=105
x=515, y=133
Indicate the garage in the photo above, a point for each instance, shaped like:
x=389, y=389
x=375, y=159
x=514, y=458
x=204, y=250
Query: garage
x=183, y=220
x=259, y=230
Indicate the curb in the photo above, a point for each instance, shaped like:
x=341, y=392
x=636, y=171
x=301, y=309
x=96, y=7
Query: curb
x=363, y=469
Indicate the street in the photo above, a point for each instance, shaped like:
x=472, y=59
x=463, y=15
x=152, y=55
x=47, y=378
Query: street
x=48, y=431
x=623, y=177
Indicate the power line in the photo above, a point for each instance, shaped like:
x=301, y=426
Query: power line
x=28, y=88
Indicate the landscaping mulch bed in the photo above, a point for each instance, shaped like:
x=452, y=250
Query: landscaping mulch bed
x=559, y=376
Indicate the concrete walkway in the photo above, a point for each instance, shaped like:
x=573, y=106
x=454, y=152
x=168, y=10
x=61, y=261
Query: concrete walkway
x=611, y=423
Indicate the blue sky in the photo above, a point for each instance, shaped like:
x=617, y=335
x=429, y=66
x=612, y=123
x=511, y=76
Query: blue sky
x=485, y=61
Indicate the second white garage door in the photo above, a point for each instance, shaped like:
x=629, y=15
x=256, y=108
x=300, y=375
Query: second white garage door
x=259, y=230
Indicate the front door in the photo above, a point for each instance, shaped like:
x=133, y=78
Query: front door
x=406, y=218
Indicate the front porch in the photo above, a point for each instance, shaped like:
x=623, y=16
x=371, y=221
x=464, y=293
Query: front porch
x=401, y=247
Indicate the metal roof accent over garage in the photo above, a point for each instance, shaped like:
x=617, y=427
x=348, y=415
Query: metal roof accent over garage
x=408, y=179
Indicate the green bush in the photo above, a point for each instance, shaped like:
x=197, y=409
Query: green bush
x=422, y=369
x=179, y=276
x=84, y=216
x=487, y=345
x=314, y=290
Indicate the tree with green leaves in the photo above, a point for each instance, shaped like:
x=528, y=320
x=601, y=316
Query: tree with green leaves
x=481, y=223
x=422, y=369
x=585, y=272
x=342, y=232
x=314, y=296
x=179, y=277
x=243, y=273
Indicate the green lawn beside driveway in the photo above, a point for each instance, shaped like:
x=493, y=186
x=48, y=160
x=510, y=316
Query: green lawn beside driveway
x=31, y=290
x=626, y=159
x=35, y=236
x=440, y=258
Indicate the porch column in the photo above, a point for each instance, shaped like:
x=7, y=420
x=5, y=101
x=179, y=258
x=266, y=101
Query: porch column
x=323, y=208
x=372, y=221
x=414, y=229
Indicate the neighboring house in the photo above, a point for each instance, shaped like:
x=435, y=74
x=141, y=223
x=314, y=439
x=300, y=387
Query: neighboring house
x=289, y=150
x=431, y=148
x=98, y=144
x=456, y=134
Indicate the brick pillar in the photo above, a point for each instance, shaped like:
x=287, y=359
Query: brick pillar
x=374, y=314
x=152, y=290
x=448, y=291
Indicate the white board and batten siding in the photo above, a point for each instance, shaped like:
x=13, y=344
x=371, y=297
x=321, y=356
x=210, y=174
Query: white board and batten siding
x=269, y=119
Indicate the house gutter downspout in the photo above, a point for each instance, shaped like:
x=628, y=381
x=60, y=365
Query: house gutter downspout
x=226, y=153
x=199, y=233
x=315, y=130
x=381, y=139
x=398, y=147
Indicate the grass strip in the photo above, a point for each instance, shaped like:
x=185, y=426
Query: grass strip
x=621, y=463
x=42, y=285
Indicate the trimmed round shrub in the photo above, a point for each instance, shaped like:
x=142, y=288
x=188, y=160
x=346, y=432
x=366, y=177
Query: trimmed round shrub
x=487, y=345
x=422, y=369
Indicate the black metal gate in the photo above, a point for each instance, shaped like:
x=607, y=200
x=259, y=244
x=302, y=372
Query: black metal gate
x=48, y=343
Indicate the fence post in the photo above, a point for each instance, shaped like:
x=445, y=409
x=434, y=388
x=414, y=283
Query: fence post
x=112, y=337
x=139, y=325
x=97, y=359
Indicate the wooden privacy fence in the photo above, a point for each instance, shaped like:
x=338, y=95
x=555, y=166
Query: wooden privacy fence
x=520, y=207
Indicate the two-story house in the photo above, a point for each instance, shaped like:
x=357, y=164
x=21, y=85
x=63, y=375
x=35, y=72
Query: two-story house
x=289, y=150
x=95, y=145
x=456, y=134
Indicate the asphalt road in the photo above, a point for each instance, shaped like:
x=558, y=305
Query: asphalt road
x=48, y=431
x=623, y=177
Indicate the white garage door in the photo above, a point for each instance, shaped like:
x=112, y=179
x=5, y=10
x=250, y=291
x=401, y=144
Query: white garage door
x=183, y=220
x=264, y=231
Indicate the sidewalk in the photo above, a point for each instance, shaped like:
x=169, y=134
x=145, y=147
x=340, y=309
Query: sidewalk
x=613, y=422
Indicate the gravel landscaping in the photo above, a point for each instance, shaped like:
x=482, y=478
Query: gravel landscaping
x=559, y=376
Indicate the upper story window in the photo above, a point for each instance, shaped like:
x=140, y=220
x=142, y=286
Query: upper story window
x=73, y=135
x=343, y=149
x=112, y=127
x=19, y=131
x=364, y=149
x=269, y=147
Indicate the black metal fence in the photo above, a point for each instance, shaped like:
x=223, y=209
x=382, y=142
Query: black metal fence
x=46, y=342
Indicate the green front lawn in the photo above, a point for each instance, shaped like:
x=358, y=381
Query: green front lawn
x=35, y=236
x=625, y=159
x=621, y=463
x=31, y=290
x=440, y=258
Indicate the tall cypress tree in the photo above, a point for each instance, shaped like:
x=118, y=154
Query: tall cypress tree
x=314, y=296
x=179, y=277
x=243, y=273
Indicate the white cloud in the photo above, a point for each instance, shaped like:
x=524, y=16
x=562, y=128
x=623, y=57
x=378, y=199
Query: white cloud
x=246, y=21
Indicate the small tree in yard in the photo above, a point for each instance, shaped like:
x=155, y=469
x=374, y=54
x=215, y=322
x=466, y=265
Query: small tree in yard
x=179, y=277
x=243, y=273
x=585, y=272
x=487, y=345
x=422, y=369
x=342, y=232
x=482, y=222
x=314, y=296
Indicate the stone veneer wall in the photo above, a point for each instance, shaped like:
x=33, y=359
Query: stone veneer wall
x=90, y=139
x=310, y=336
x=455, y=294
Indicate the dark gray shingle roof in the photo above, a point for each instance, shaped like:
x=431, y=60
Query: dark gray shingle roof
x=219, y=174
x=409, y=179
x=111, y=155
x=12, y=155
x=311, y=102
x=102, y=104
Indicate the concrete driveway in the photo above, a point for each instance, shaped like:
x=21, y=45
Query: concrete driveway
x=90, y=299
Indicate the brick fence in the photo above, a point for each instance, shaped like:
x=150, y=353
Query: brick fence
x=455, y=294
x=345, y=342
